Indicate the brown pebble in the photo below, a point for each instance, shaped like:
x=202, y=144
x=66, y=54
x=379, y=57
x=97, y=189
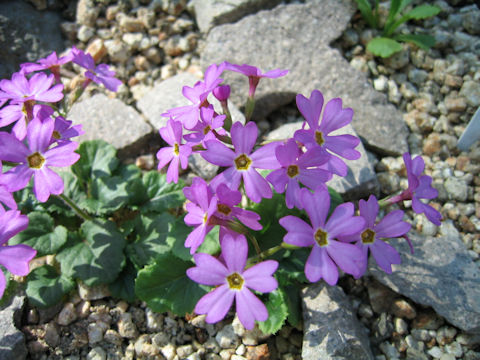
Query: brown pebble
x=402, y=309
x=432, y=144
x=428, y=320
x=466, y=224
x=259, y=352
x=455, y=104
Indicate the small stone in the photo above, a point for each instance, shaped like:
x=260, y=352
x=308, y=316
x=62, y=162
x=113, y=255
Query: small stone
x=447, y=357
x=401, y=326
x=184, y=351
x=457, y=104
x=126, y=327
x=169, y=351
x=95, y=331
x=67, y=315
x=427, y=320
x=421, y=334
x=381, y=297
x=445, y=335
x=93, y=292
x=455, y=349
x=401, y=308
x=380, y=83
x=471, y=92
x=259, y=352
x=97, y=353
x=456, y=189
x=52, y=337
x=227, y=338
x=389, y=350
x=85, y=33
x=435, y=352
x=113, y=337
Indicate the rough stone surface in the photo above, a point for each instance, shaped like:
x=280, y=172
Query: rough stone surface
x=360, y=180
x=440, y=274
x=332, y=331
x=26, y=35
x=12, y=340
x=110, y=120
x=209, y=13
x=297, y=37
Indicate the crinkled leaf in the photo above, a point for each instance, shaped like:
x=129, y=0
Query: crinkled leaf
x=97, y=159
x=164, y=286
x=423, y=41
x=277, y=313
x=384, y=47
x=41, y=234
x=107, y=194
x=178, y=234
x=291, y=292
x=423, y=12
x=151, y=233
x=124, y=286
x=45, y=287
x=98, y=257
x=160, y=195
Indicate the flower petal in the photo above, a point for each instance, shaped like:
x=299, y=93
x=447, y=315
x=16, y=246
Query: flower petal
x=217, y=153
x=259, y=277
x=385, y=255
x=249, y=308
x=346, y=256
x=235, y=252
x=16, y=258
x=392, y=225
x=316, y=206
x=256, y=187
x=319, y=265
x=209, y=271
x=215, y=304
x=244, y=137
x=299, y=233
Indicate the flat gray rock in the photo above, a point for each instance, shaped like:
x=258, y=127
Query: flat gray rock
x=26, y=35
x=110, y=120
x=331, y=328
x=439, y=274
x=297, y=37
x=209, y=13
x=12, y=340
x=360, y=181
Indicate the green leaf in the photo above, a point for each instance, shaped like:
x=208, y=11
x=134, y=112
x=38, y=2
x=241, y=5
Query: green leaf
x=107, y=194
x=160, y=195
x=384, y=47
x=367, y=13
x=151, y=238
x=164, y=286
x=41, y=234
x=98, y=258
x=423, y=12
x=277, y=313
x=124, y=286
x=97, y=159
x=423, y=41
x=45, y=287
x=291, y=292
x=178, y=234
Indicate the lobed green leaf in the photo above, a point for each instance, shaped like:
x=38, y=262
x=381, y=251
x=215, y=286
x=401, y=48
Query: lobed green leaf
x=277, y=312
x=423, y=41
x=45, y=287
x=384, y=47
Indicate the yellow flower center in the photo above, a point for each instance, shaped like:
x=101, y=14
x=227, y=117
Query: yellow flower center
x=292, y=171
x=368, y=236
x=206, y=130
x=242, y=162
x=321, y=237
x=176, y=149
x=36, y=161
x=56, y=135
x=224, y=209
x=319, y=138
x=235, y=281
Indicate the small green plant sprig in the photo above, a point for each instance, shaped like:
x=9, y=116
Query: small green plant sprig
x=389, y=43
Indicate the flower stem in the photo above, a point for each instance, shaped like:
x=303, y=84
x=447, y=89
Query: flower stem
x=74, y=207
x=269, y=252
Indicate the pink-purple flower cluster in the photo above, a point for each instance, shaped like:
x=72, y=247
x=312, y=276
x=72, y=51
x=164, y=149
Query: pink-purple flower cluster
x=34, y=138
x=300, y=167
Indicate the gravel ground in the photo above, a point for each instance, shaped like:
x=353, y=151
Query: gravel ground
x=437, y=90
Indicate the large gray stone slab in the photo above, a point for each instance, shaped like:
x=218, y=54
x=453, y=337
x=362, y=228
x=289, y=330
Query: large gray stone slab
x=440, y=274
x=297, y=37
x=12, y=340
x=26, y=35
x=360, y=181
x=331, y=328
x=110, y=120
x=209, y=13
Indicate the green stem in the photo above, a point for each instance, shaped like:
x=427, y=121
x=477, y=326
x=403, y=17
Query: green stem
x=74, y=207
x=269, y=252
x=249, y=106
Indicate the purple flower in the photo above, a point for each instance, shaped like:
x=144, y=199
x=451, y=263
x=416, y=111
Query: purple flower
x=233, y=282
x=298, y=167
x=222, y=92
x=37, y=88
x=419, y=187
x=327, y=252
x=334, y=118
x=175, y=154
x=100, y=74
x=197, y=95
x=6, y=196
x=242, y=162
x=51, y=62
x=200, y=210
x=255, y=74
x=209, y=121
x=391, y=226
x=36, y=159
x=63, y=130
x=19, y=113
x=227, y=209
x=14, y=258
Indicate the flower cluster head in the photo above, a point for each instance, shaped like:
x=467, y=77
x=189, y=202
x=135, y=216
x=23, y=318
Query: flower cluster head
x=419, y=188
x=52, y=62
x=233, y=282
x=17, y=257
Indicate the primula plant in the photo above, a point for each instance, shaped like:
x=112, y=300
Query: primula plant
x=389, y=42
x=263, y=227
